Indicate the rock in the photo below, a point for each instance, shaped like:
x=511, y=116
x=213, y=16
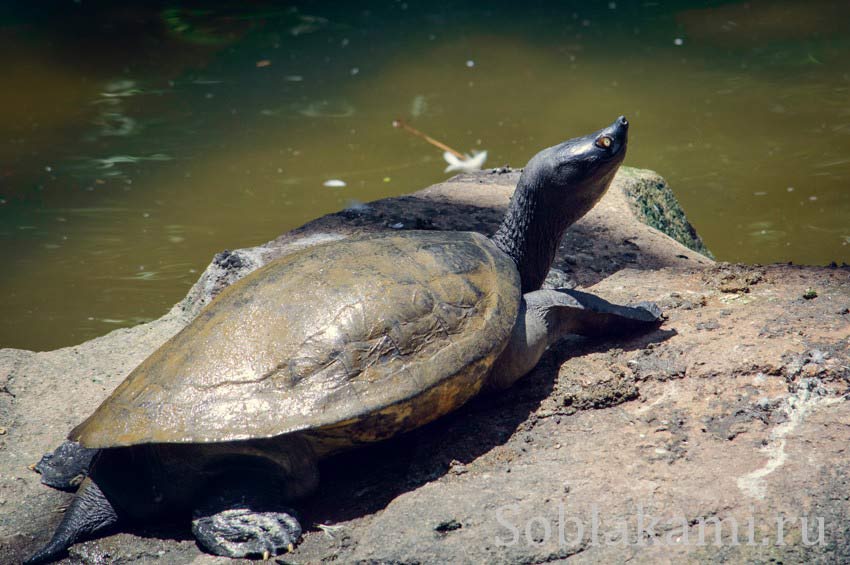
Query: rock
x=735, y=410
x=653, y=203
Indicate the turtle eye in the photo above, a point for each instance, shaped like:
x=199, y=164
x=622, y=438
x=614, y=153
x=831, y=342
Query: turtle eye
x=604, y=142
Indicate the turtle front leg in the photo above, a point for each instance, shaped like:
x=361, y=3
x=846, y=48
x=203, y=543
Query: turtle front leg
x=545, y=316
x=582, y=313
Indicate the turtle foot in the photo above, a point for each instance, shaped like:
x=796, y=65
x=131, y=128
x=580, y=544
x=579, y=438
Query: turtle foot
x=244, y=533
x=66, y=467
x=652, y=309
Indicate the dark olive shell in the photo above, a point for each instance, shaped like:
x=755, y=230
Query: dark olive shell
x=351, y=341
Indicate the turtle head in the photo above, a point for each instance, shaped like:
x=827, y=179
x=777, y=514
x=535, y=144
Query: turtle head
x=558, y=186
x=572, y=176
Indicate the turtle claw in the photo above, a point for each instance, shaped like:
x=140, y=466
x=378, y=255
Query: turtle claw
x=241, y=533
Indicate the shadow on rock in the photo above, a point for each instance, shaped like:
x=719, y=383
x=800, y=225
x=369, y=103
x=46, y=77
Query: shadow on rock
x=365, y=481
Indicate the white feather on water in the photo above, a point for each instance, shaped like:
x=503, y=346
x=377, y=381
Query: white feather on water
x=468, y=165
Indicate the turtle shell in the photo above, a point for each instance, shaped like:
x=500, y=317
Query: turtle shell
x=351, y=341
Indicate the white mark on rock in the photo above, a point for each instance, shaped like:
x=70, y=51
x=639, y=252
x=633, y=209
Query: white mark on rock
x=796, y=407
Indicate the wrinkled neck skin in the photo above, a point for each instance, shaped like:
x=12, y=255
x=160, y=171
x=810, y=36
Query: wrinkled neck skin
x=534, y=224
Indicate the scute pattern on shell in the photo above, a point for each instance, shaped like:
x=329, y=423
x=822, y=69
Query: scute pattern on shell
x=354, y=340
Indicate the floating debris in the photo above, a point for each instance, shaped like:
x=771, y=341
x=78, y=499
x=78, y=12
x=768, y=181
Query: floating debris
x=468, y=164
x=263, y=63
x=334, y=183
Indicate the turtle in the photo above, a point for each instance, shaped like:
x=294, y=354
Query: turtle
x=328, y=348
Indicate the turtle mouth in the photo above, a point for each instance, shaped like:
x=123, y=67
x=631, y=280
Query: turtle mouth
x=619, y=132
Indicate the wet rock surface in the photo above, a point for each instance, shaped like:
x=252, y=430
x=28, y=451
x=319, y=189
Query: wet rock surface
x=735, y=411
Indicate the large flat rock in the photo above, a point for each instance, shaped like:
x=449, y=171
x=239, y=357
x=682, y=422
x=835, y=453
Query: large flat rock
x=735, y=411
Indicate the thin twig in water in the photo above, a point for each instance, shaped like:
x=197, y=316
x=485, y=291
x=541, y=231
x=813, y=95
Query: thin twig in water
x=399, y=123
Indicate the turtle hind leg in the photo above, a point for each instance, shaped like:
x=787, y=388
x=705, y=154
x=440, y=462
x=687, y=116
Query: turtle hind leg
x=66, y=467
x=244, y=533
x=243, y=511
x=239, y=522
x=89, y=513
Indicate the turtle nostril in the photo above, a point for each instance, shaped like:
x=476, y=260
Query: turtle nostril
x=623, y=121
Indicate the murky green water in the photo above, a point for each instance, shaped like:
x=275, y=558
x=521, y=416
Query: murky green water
x=137, y=139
